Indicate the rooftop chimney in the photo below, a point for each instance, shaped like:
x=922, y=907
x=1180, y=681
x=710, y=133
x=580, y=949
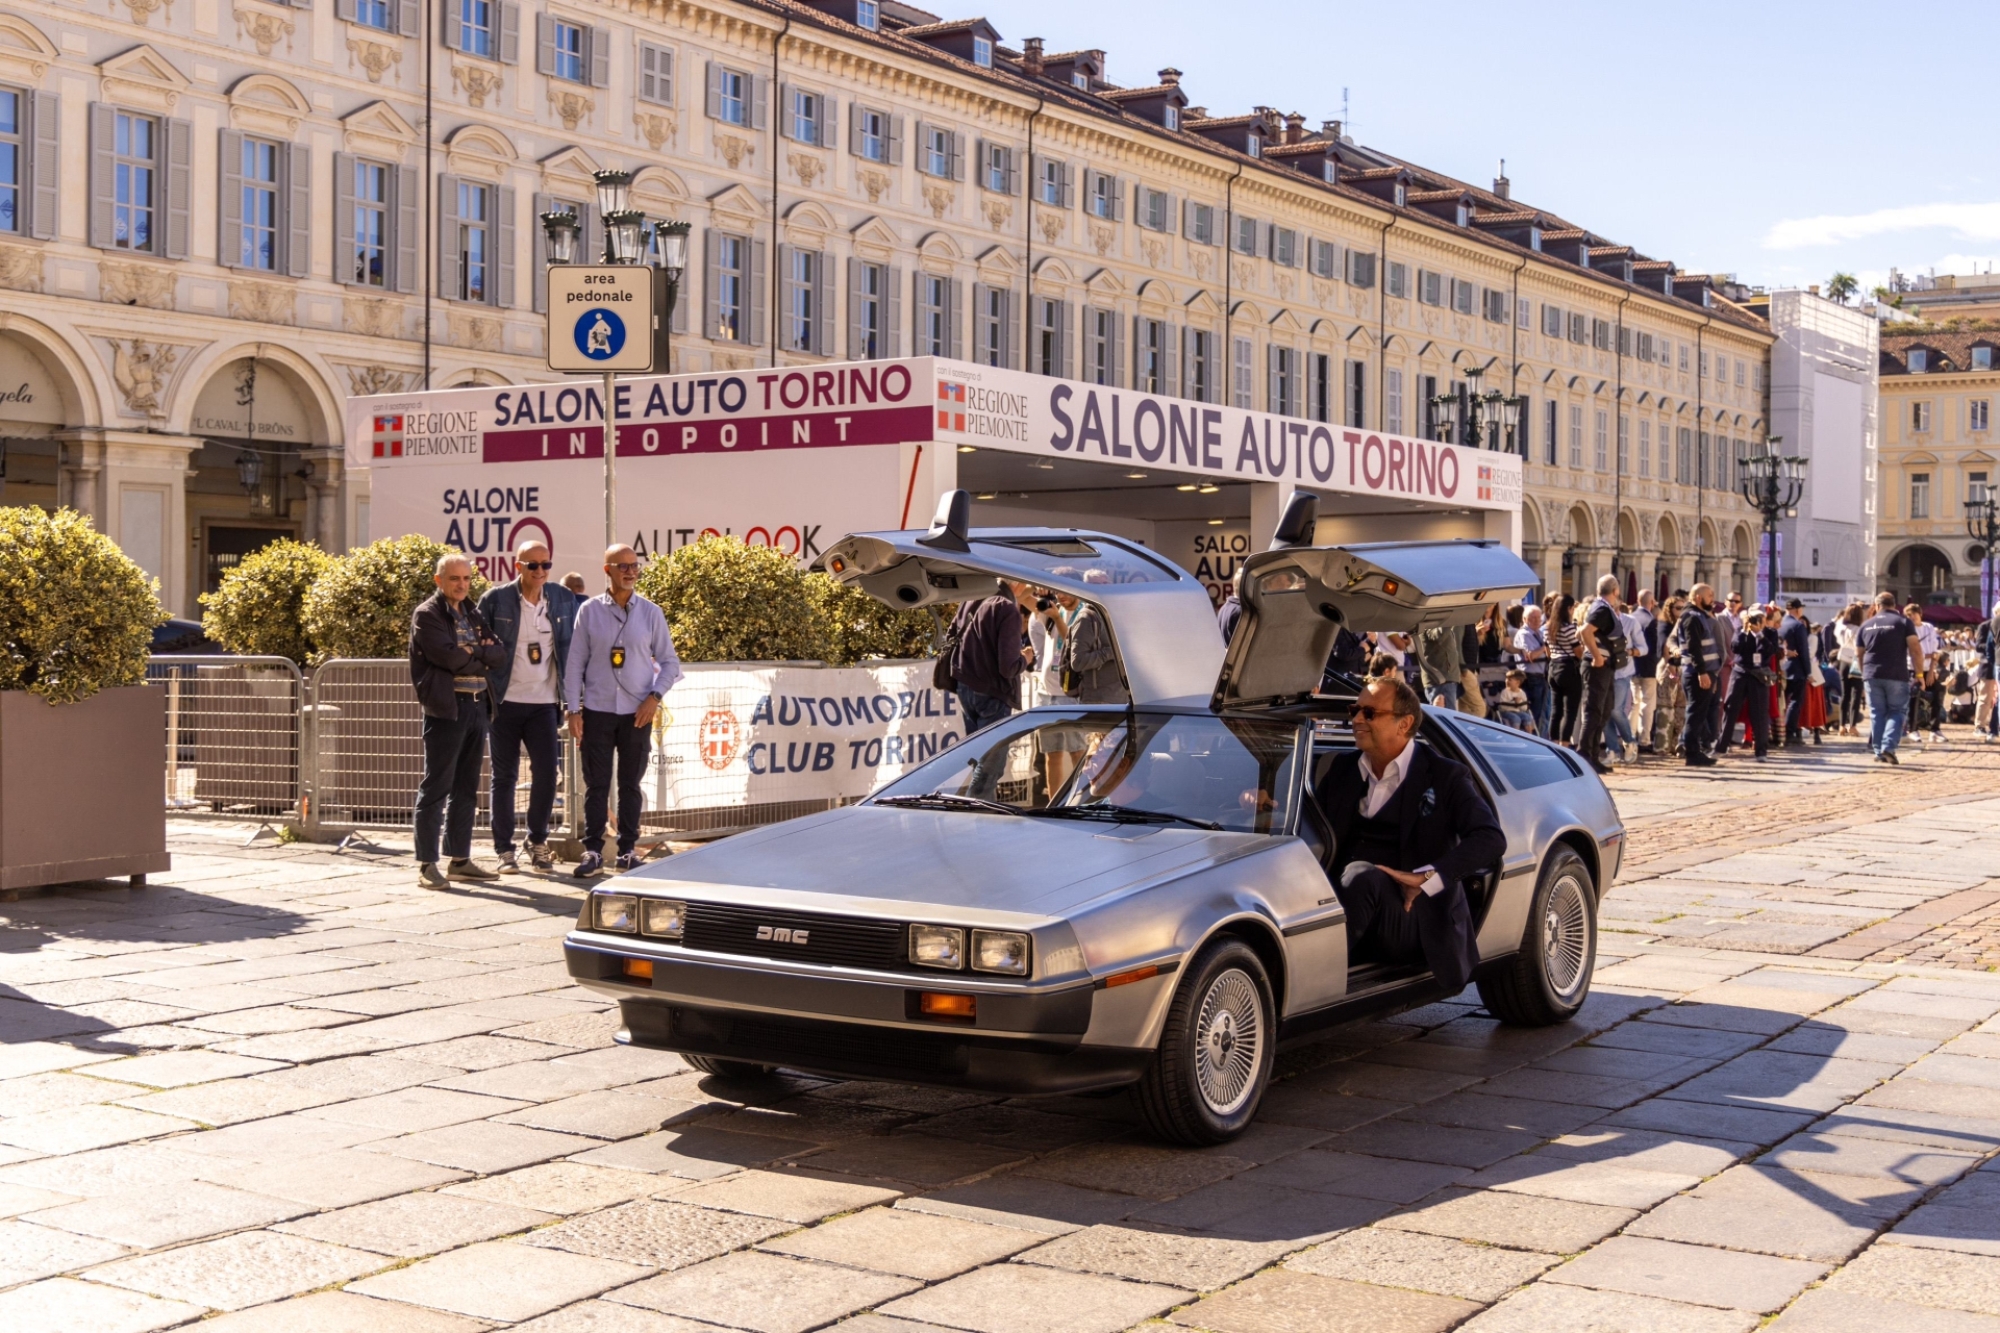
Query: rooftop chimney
x=1031, y=57
x=1197, y=113
x=1501, y=185
x=1330, y=128
x=1295, y=128
x=1170, y=78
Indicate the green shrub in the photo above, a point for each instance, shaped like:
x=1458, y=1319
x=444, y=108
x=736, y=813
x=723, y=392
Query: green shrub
x=728, y=602
x=76, y=613
x=260, y=607
x=361, y=605
x=854, y=626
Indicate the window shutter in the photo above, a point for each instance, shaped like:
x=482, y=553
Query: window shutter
x=981, y=151
x=449, y=275
x=1138, y=350
x=760, y=96
x=545, y=44
x=409, y=18
x=829, y=122
x=44, y=151
x=1010, y=337
x=510, y=33
x=786, y=106
x=677, y=320
x=538, y=296
x=856, y=338
x=404, y=200
x=1187, y=219
x=1117, y=200
x=343, y=218
x=957, y=156
x=979, y=321
x=854, y=123
x=298, y=210
x=1170, y=360
x=1273, y=395
x=344, y=10
x=786, y=287
x=713, y=105
x=229, y=217
x=503, y=244
x=454, y=38
x=656, y=74
x=892, y=320
x=954, y=318
x=1013, y=172
x=895, y=141
x=760, y=294
x=1066, y=339
x=1068, y=185
x=711, y=268
x=600, y=57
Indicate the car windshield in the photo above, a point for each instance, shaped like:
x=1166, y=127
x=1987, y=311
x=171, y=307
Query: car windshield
x=1232, y=774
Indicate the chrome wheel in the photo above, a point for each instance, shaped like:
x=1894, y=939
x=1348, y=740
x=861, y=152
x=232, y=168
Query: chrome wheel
x=1229, y=1042
x=1566, y=937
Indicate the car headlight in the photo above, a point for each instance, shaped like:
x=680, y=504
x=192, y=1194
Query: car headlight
x=1000, y=951
x=938, y=946
x=663, y=917
x=617, y=911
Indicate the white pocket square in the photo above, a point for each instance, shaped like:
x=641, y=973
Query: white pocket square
x=1355, y=870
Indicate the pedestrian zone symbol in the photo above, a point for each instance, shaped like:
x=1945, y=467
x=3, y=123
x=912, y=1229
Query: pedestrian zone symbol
x=600, y=334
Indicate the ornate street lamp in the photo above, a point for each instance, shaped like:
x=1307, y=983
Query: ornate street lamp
x=1982, y=524
x=1478, y=421
x=249, y=471
x=1772, y=485
x=614, y=190
x=560, y=233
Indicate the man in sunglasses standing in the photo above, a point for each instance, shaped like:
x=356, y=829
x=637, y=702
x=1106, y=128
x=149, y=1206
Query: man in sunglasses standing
x=533, y=618
x=620, y=665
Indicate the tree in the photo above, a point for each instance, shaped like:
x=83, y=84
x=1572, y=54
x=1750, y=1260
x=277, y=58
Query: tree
x=76, y=613
x=728, y=602
x=1842, y=287
x=260, y=607
x=361, y=606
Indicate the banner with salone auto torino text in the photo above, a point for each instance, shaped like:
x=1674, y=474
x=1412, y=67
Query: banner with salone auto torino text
x=734, y=735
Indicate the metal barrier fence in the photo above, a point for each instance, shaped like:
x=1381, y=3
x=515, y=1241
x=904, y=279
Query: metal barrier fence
x=232, y=736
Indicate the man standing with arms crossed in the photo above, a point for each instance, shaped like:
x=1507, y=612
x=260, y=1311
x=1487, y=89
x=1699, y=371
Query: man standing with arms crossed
x=452, y=655
x=532, y=618
x=621, y=665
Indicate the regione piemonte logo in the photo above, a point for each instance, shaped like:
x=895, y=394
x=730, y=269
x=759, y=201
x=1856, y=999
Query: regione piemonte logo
x=951, y=407
x=1486, y=481
x=388, y=436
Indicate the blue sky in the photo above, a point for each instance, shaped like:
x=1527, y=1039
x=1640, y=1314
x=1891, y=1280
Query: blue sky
x=1776, y=141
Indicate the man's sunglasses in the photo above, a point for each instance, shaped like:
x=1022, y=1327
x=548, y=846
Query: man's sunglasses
x=1368, y=713
x=625, y=569
x=535, y=564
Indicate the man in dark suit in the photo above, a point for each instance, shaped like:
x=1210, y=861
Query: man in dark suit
x=1795, y=637
x=1409, y=826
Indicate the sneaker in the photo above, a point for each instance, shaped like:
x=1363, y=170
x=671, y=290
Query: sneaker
x=507, y=863
x=430, y=877
x=468, y=869
x=590, y=866
x=629, y=861
x=540, y=857
x=1938, y=736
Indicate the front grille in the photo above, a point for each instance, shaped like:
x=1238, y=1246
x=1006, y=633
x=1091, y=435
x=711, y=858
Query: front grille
x=819, y=1045
x=836, y=941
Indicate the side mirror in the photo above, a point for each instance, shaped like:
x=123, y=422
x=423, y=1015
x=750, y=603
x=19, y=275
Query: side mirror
x=1296, y=527
x=952, y=524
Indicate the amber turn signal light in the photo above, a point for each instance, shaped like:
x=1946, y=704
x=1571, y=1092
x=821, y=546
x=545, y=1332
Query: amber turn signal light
x=931, y=1004
x=640, y=969
x=1136, y=974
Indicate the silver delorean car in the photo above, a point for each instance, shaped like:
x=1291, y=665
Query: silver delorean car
x=1080, y=898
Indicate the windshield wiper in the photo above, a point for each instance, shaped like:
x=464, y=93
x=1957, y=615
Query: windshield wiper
x=945, y=800
x=1124, y=814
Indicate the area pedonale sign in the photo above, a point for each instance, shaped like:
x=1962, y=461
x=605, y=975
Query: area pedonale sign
x=797, y=457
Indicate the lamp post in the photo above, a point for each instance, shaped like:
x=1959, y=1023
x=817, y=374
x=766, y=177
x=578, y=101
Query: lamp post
x=1479, y=421
x=1982, y=524
x=631, y=238
x=1773, y=486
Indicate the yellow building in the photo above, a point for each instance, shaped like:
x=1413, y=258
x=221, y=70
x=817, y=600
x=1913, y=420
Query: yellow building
x=1939, y=389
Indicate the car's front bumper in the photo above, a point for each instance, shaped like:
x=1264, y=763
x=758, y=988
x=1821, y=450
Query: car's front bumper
x=1026, y=1039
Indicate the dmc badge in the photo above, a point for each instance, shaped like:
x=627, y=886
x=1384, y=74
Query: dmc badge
x=617, y=657
x=534, y=654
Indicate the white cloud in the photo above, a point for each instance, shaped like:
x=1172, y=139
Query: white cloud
x=1976, y=222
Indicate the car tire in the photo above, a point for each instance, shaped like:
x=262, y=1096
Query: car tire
x=709, y=1064
x=1214, y=1058
x=1547, y=981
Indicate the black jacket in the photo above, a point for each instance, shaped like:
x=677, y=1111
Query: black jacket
x=1701, y=655
x=988, y=660
x=435, y=657
x=1446, y=823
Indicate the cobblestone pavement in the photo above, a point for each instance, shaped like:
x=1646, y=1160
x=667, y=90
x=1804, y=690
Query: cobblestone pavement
x=283, y=1091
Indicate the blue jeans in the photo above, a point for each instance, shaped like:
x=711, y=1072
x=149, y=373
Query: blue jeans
x=1536, y=687
x=981, y=710
x=1444, y=694
x=1618, y=727
x=448, y=796
x=515, y=725
x=1888, y=707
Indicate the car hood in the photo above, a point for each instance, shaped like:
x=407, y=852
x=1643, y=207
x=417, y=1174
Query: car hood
x=996, y=869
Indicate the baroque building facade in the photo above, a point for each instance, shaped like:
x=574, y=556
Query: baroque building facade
x=223, y=219
x=1939, y=388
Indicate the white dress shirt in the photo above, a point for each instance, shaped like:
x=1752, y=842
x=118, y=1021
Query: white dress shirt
x=1381, y=787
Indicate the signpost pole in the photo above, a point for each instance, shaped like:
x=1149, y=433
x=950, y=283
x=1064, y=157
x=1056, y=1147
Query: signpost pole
x=610, y=462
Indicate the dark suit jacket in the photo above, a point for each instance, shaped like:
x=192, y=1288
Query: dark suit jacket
x=1445, y=822
x=1793, y=634
x=435, y=657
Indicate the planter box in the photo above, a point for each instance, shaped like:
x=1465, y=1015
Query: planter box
x=81, y=787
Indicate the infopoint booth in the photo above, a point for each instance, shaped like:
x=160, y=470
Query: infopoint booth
x=797, y=457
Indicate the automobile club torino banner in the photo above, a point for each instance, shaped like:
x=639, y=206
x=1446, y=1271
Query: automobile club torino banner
x=798, y=457
x=734, y=735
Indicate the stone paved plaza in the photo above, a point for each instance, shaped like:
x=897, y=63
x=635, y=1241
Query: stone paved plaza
x=284, y=1091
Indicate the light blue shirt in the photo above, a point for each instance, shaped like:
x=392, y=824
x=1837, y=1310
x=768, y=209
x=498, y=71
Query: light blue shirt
x=651, y=665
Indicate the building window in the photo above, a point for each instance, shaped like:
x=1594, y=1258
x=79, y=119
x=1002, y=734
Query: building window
x=1153, y=355
x=1285, y=247
x=1049, y=184
x=1255, y=147
x=1523, y=313
x=1576, y=437
x=1360, y=268
x=933, y=315
x=1357, y=393
x=1241, y=373
x=1722, y=368
x=1461, y=296
x=731, y=95
x=1600, y=334
x=1920, y=416
x=1046, y=355
x=1319, y=386
x=1079, y=79
x=937, y=151
x=1579, y=328
x=805, y=115
x=990, y=343
x=996, y=168
x=1683, y=458
x=1601, y=444
x=1920, y=495
x=1200, y=384
x=1920, y=360
x=370, y=264
x=475, y=246
x=1430, y=287
x=374, y=14
x=870, y=337
x=656, y=74
x=1624, y=444
x=258, y=247
x=732, y=282
x=1982, y=358
x=1155, y=209
x=1978, y=414
x=1284, y=387
x=802, y=312
x=868, y=14
x=1245, y=240
x=1397, y=282
x=1740, y=366
x=1100, y=349
x=1392, y=403
x=1551, y=431
x=475, y=27
x=13, y=157
x=1552, y=321
x=1646, y=450
x=1171, y=116
x=1103, y=202
x=567, y=43
x=982, y=52
x=135, y=196
x=1976, y=489
x=1684, y=358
